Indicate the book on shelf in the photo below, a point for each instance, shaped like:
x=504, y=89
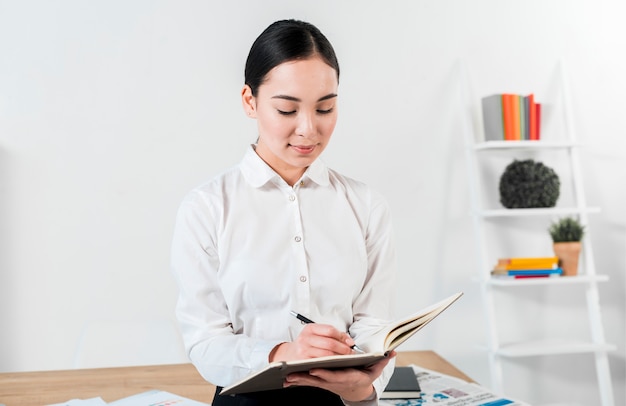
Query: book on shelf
x=528, y=260
x=511, y=117
x=492, y=117
x=507, y=115
x=528, y=272
x=522, y=117
x=530, y=276
x=539, y=267
x=532, y=118
x=403, y=384
x=537, y=121
x=377, y=346
x=527, y=263
x=515, y=102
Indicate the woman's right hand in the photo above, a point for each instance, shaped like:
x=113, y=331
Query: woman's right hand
x=315, y=340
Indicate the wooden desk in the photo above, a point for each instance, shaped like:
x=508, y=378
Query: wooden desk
x=47, y=387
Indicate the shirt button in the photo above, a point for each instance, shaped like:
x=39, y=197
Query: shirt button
x=298, y=239
x=292, y=198
x=301, y=183
x=303, y=278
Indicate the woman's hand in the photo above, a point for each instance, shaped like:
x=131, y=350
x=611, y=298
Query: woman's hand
x=351, y=384
x=315, y=340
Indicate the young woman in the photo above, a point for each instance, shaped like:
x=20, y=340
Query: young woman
x=282, y=232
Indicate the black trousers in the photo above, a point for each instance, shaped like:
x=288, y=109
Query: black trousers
x=300, y=395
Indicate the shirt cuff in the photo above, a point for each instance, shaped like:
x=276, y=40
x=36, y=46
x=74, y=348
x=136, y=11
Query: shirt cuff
x=261, y=352
x=372, y=400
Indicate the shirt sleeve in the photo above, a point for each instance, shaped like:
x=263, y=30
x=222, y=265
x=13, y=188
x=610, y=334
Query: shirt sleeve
x=221, y=356
x=372, y=400
x=373, y=308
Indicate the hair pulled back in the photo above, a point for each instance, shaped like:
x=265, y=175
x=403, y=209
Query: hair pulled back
x=284, y=41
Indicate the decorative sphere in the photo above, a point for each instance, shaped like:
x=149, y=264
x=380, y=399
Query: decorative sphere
x=528, y=184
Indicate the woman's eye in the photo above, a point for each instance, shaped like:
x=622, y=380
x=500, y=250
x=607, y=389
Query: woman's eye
x=330, y=110
x=286, y=113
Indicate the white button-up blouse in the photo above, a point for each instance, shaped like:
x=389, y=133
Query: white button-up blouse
x=248, y=248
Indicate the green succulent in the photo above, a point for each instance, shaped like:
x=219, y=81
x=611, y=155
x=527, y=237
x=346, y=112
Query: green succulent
x=567, y=229
x=527, y=184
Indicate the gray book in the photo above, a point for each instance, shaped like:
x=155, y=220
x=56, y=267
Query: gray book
x=493, y=117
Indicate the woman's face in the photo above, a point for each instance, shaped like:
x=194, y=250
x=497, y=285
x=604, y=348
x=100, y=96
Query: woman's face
x=296, y=112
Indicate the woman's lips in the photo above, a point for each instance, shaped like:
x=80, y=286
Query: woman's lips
x=303, y=149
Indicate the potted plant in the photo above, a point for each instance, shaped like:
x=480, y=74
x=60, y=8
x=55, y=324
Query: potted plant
x=567, y=234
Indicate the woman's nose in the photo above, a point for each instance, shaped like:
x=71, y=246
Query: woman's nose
x=306, y=125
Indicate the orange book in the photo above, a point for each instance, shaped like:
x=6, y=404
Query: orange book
x=517, y=135
x=507, y=116
x=526, y=260
x=527, y=263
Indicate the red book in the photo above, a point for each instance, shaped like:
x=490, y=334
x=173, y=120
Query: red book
x=538, y=121
x=530, y=276
x=532, y=118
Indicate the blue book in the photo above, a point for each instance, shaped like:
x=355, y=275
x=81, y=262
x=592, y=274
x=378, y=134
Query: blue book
x=529, y=272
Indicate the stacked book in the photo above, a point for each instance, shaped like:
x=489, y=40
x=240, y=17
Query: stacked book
x=527, y=267
x=511, y=117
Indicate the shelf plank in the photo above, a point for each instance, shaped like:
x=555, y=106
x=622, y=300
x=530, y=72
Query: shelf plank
x=523, y=144
x=542, y=211
x=562, y=280
x=551, y=347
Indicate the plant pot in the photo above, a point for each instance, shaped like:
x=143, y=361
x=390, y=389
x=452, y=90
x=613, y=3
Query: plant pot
x=568, y=253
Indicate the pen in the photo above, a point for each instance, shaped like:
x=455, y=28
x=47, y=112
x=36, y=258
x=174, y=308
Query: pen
x=309, y=321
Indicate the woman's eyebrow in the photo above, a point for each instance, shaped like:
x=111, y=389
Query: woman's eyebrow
x=295, y=99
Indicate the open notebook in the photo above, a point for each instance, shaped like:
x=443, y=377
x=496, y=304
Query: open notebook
x=377, y=346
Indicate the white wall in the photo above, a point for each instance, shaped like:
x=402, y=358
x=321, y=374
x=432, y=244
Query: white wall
x=111, y=111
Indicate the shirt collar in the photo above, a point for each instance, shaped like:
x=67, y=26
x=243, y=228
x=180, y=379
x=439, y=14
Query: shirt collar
x=257, y=173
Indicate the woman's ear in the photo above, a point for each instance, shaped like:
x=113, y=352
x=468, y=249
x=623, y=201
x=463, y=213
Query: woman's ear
x=248, y=101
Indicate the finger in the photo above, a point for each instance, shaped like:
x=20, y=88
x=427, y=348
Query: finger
x=326, y=340
x=330, y=332
x=321, y=344
x=306, y=379
x=348, y=383
x=377, y=368
x=302, y=379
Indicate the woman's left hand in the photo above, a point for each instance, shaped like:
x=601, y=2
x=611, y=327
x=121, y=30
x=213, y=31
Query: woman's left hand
x=351, y=384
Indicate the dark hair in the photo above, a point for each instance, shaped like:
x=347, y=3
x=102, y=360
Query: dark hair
x=283, y=41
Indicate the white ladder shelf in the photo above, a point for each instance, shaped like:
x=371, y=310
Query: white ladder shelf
x=496, y=351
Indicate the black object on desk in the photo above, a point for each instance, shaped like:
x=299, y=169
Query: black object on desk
x=402, y=385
